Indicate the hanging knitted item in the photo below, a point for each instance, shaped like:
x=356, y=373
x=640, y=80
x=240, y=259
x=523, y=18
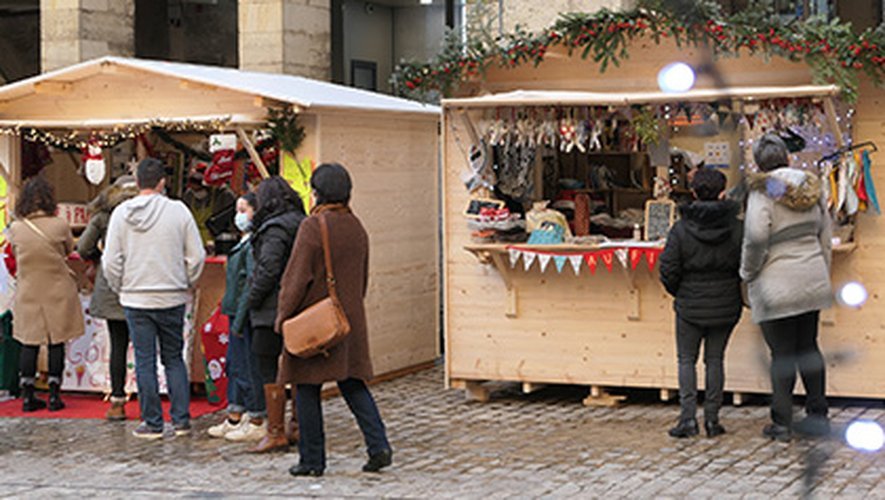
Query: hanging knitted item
x=582, y=214
x=94, y=168
x=222, y=168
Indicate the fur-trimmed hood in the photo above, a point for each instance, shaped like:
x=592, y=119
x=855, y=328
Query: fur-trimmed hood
x=793, y=188
x=123, y=189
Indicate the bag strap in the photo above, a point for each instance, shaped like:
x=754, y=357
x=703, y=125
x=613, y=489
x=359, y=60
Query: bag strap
x=327, y=255
x=42, y=235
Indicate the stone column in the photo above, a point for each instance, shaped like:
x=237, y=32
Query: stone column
x=286, y=36
x=72, y=31
x=535, y=15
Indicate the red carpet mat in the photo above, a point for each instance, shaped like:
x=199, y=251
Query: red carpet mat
x=94, y=406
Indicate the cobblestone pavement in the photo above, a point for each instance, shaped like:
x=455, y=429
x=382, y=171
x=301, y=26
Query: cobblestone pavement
x=544, y=444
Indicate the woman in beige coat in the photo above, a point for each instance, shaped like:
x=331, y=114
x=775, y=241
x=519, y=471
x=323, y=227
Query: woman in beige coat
x=46, y=310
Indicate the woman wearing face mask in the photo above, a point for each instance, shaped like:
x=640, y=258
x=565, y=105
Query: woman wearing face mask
x=246, y=411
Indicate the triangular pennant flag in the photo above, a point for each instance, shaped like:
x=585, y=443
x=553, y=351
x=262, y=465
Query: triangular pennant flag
x=592, y=261
x=559, y=260
x=514, y=256
x=575, y=261
x=621, y=254
x=608, y=257
x=544, y=260
x=528, y=258
x=635, y=255
x=651, y=257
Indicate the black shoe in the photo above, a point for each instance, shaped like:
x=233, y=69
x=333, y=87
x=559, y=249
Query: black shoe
x=777, y=432
x=684, y=429
x=813, y=426
x=30, y=402
x=303, y=470
x=378, y=461
x=55, y=402
x=713, y=428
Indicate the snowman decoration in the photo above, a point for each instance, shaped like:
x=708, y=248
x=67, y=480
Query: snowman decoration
x=94, y=167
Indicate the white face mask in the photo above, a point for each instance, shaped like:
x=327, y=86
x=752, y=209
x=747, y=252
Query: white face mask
x=241, y=220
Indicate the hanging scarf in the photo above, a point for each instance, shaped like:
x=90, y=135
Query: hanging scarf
x=868, y=182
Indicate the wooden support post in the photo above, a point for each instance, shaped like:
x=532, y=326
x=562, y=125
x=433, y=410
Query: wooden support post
x=511, y=308
x=473, y=389
x=667, y=394
x=737, y=398
x=598, y=397
x=830, y=110
x=253, y=154
x=530, y=387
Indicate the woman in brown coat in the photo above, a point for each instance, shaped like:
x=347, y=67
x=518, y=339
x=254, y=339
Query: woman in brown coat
x=47, y=308
x=348, y=363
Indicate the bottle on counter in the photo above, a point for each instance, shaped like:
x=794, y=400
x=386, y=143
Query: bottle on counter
x=637, y=232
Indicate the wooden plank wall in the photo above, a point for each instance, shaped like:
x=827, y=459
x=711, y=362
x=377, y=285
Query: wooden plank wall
x=393, y=160
x=575, y=329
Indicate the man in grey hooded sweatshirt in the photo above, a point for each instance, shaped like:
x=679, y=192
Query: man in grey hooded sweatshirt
x=153, y=257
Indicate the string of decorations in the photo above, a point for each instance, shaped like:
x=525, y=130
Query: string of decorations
x=76, y=140
x=833, y=51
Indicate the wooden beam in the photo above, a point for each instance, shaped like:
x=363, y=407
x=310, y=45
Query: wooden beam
x=530, y=387
x=192, y=85
x=267, y=102
x=830, y=110
x=50, y=87
x=253, y=154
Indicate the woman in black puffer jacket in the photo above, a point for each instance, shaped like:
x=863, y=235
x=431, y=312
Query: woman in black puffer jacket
x=699, y=267
x=280, y=212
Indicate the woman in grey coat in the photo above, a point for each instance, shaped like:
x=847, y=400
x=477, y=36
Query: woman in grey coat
x=105, y=303
x=786, y=265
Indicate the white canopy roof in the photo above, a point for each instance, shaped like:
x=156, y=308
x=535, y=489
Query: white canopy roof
x=577, y=98
x=118, y=84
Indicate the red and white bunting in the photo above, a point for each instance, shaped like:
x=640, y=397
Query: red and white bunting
x=528, y=258
x=575, y=261
x=628, y=257
x=544, y=261
x=514, y=256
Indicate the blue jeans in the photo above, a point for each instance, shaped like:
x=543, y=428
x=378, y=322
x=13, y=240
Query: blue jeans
x=312, y=442
x=146, y=327
x=245, y=392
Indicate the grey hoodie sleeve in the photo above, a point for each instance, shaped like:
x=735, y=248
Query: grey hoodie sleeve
x=113, y=259
x=194, y=253
x=757, y=229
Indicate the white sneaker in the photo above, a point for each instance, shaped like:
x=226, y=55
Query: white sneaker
x=221, y=430
x=247, y=432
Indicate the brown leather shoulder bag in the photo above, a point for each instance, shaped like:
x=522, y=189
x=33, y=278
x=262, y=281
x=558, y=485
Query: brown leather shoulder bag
x=323, y=325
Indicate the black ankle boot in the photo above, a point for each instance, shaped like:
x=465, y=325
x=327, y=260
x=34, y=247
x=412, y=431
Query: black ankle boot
x=55, y=402
x=378, y=461
x=685, y=428
x=303, y=470
x=29, y=401
x=713, y=428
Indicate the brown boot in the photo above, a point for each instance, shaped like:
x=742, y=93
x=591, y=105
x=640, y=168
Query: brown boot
x=275, y=440
x=292, y=426
x=117, y=411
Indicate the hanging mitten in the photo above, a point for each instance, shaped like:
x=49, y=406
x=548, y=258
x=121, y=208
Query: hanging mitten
x=93, y=163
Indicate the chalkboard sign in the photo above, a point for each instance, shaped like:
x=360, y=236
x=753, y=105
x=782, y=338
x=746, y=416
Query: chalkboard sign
x=477, y=204
x=659, y=216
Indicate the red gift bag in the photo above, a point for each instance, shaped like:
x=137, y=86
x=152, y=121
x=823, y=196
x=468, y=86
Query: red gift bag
x=214, y=335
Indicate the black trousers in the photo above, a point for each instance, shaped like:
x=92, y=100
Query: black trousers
x=312, y=442
x=793, y=344
x=118, y=330
x=689, y=337
x=28, y=363
x=267, y=346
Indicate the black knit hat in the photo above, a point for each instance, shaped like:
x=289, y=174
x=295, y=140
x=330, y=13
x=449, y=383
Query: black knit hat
x=331, y=182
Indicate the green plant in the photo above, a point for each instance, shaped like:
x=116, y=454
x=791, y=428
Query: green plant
x=284, y=128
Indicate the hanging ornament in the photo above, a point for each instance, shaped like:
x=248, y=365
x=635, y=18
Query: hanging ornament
x=559, y=261
x=592, y=261
x=93, y=162
x=514, y=257
x=544, y=261
x=575, y=261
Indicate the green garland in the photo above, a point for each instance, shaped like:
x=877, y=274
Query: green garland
x=834, y=53
x=284, y=128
